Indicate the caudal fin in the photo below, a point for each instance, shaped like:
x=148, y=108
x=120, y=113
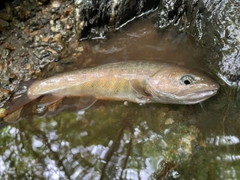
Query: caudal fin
x=20, y=98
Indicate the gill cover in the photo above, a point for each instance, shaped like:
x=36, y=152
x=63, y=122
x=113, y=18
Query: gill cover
x=176, y=84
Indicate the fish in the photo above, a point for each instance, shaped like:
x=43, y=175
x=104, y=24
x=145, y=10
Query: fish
x=134, y=81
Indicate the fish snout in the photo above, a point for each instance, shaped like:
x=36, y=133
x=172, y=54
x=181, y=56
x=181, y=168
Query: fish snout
x=214, y=86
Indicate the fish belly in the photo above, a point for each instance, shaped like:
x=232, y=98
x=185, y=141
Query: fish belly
x=103, y=88
x=110, y=81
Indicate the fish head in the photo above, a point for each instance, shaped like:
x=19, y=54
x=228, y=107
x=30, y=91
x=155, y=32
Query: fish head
x=180, y=85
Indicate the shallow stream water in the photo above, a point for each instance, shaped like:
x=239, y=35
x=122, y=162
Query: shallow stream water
x=116, y=140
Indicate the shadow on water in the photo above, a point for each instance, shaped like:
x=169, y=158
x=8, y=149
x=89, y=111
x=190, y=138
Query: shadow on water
x=125, y=140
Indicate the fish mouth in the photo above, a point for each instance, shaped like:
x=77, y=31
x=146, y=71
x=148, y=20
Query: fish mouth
x=200, y=96
x=210, y=90
x=207, y=92
x=187, y=97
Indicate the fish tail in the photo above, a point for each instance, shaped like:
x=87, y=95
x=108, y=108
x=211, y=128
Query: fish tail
x=20, y=98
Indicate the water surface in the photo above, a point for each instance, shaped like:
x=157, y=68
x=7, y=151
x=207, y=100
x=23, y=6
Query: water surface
x=114, y=140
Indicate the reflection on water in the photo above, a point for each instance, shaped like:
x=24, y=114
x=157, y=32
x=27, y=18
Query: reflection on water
x=111, y=140
x=222, y=140
x=106, y=141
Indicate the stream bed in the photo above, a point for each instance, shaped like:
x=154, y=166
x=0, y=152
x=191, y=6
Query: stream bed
x=119, y=140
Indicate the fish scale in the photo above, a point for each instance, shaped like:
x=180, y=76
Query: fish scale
x=136, y=81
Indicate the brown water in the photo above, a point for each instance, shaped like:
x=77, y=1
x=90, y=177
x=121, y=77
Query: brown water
x=113, y=140
x=139, y=40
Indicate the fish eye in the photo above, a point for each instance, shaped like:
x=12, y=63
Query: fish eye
x=187, y=79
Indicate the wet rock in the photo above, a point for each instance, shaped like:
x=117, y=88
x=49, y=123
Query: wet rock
x=42, y=2
x=44, y=20
x=2, y=112
x=24, y=9
x=6, y=17
x=36, y=33
x=4, y=93
x=214, y=25
x=7, y=45
x=169, y=121
x=94, y=17
x=47, y=32
x=11, y=118
x=18, y=60
x=4, y=23
x=5, y=54
x=56, y=4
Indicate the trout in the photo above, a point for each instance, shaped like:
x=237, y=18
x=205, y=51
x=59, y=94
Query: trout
x=134, y=81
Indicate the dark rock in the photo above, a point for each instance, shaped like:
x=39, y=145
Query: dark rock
x=4, y=23
x=44, y=20
x=43, y=2
x=33, y=30
x=215, y=25
x=6, y=17
x=96, y=15
x=4, y=3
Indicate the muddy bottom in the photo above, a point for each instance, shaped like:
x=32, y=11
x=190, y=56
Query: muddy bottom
x=114, y=140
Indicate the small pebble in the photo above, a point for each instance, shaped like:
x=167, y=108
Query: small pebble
x=169, y=121
x=2, y=112
x=125, y=103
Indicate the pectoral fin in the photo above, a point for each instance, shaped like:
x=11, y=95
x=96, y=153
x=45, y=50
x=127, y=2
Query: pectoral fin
x=53, y=102
x=141, y=94
x=49, y=99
